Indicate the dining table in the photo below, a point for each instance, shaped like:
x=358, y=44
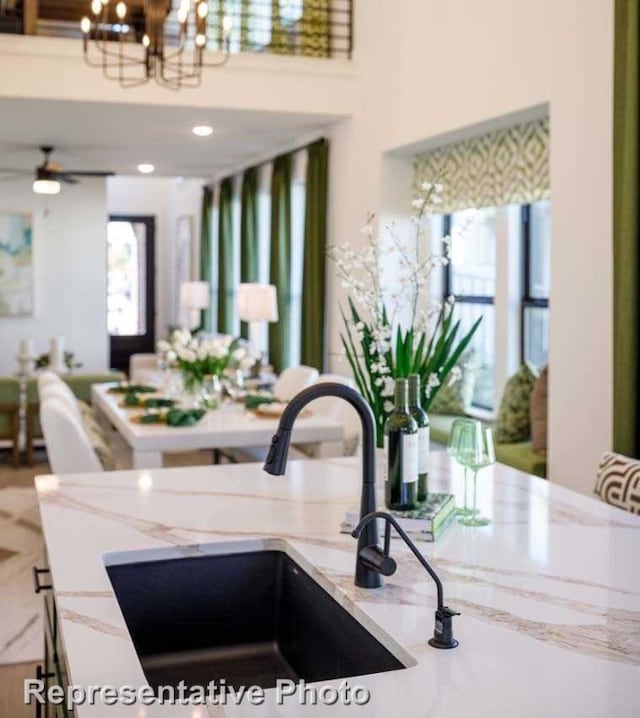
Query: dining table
x=231, y=426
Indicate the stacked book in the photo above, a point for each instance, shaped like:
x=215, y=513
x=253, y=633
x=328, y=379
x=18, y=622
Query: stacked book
x=424, y=523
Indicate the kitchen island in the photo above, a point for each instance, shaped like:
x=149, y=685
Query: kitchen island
x=549, y=593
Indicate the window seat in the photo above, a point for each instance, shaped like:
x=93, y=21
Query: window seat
x=520, y=456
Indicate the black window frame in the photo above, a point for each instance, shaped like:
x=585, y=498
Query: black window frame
x=527, y=301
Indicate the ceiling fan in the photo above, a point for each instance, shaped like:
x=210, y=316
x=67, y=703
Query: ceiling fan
x=49, y=175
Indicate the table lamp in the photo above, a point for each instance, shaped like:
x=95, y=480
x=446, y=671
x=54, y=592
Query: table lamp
x=194, y=296
x=257, y=305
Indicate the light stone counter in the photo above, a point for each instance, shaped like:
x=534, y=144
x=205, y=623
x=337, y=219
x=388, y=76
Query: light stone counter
x=549, y=593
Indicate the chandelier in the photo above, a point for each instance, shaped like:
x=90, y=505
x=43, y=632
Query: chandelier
x=136, y=44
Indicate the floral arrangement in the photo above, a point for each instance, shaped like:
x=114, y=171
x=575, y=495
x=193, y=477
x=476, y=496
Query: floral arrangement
x=198, y=357
x=391, y=328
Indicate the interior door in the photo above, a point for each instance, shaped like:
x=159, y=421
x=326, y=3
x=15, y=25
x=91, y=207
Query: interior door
x=130, y=287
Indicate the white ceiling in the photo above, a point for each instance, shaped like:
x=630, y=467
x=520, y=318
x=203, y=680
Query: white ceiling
x=97, y=136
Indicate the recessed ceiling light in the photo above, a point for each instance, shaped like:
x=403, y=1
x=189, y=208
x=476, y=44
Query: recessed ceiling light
x=145, y=168
x=202, y=130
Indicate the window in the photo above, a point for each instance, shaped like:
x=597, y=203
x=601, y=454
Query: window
x=470, y=277
x=126, y=262
x=536, y=224
x=478, y=259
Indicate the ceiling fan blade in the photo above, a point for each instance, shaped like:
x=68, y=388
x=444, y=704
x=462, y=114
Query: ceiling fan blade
x=83, y=173
x=64, y=178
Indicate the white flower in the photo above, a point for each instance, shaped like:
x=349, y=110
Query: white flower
x=438, y=187
x=426, y=186
x=418, y=203
x=388, y=406
x=432, y=382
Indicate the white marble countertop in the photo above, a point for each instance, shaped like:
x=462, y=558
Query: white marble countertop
x=549, y=593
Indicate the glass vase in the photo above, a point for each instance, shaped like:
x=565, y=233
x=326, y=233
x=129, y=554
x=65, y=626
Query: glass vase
x=211, y=392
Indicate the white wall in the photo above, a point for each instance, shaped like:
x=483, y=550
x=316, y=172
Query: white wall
x=166, y=199
x=69, y=251
x=461, y=63
x=581, y=335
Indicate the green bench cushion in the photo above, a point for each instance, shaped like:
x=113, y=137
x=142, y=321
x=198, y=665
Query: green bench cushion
x=9, y=403
x=81, y=383
x=520, y=455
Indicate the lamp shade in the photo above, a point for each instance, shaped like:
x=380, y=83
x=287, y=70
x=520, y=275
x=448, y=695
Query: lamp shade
x=257, y=303
x=194, y=295
x=46, y=186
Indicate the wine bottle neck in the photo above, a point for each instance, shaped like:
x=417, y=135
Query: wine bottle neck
x=414, y=391
x=402, y=395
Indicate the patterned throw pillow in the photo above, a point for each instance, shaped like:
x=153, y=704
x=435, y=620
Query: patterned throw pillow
x=619, y=481
x=456, y=398
x=539, y=397
x=514, y=417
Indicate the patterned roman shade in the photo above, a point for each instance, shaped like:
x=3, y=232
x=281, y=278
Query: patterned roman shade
x=509, y=166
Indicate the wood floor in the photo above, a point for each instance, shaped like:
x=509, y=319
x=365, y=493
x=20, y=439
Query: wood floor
x=11, y=690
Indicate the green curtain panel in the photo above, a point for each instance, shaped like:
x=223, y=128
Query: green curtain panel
x=225, y=257
x=249, y=233
x=206, y=250
x=280, y=261
x=315, y=250
x=315, y=29
x=626, y=230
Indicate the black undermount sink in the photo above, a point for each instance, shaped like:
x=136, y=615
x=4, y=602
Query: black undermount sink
x=251, y=618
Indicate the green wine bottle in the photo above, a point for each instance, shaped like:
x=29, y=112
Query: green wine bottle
x=401, y=440
x=422, y=420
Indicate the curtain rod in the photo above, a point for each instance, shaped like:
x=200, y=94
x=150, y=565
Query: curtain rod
x=257, y=165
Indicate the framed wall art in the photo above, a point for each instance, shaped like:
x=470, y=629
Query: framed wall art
x=16, y=264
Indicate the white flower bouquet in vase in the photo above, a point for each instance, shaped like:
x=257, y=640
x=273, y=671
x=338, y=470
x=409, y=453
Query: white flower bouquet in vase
x=203, y=361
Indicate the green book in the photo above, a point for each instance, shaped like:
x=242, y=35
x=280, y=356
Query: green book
x=424, y=523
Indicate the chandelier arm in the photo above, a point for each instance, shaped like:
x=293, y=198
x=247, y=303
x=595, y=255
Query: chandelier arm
x=178, y=74
x=106, y=52
x=127, y=62
x=219, y=63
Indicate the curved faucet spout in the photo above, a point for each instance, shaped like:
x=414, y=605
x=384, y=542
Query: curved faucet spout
x=276, y=460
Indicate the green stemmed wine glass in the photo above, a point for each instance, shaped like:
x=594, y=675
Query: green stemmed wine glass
x=475, y=451
x=453, y=448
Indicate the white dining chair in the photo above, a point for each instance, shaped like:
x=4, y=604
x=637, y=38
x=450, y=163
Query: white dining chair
x=69, y=447
x=62, y=392
x=48, y=377
x=143, y=369
x=292, y=380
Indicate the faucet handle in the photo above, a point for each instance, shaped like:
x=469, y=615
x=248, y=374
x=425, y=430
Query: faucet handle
x=375, y=558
